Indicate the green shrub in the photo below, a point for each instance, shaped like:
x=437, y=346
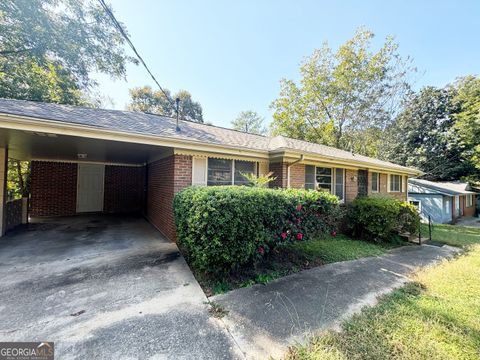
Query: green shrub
x=223, y=228
x=408, y=219
x=381, y=218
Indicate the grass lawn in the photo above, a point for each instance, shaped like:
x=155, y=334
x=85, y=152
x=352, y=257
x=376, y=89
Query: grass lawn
x=296, y=257
x=453, y=234
x=339, y=248
x=437, y=316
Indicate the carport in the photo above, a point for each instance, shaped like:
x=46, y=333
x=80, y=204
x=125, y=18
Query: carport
x=78, y=171
x=85, y=274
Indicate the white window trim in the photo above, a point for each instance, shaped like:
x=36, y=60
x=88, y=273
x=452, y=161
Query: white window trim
x=378, y=182
x=389, y=175
x=419, y=204
x=469, y=200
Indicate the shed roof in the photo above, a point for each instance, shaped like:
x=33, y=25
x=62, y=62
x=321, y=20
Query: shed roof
x=445, y=187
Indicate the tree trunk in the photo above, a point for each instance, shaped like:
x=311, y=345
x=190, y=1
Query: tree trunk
x=21, y=183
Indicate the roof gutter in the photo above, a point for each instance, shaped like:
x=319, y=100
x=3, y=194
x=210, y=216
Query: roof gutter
x=354, y=163
x=290, y=165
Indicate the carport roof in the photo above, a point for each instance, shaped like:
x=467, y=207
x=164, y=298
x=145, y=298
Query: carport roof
x=161, y=126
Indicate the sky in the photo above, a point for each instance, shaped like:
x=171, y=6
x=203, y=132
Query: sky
x=231, y=55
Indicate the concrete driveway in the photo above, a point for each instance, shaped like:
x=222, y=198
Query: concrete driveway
x=105, y=287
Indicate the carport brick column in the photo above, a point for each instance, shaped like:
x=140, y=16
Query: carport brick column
x=3, y=188
x=182, y=172
x=166, y=177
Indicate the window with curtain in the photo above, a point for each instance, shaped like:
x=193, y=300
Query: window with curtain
x=395, y=183
x=245, y=167
x=339, y=183
x=324, y=179
x=219, y=172
x=375, y=182
x=310, y=177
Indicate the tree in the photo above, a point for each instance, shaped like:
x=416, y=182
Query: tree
x=344, y=95
x=48, y=81
x=467, y=124
x=145, y=99
x=18, y=178
x=249, y=121
x=424, y=136
x=73, y=37
x=48, y=49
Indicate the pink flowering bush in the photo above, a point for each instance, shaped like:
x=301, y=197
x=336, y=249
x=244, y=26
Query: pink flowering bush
x=220, y=229
x=314, y=214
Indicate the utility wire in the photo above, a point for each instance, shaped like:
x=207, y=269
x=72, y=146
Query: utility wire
x=125, y=36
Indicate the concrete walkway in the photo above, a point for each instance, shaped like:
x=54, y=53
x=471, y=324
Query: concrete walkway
x=469, y=221
x=265, y=319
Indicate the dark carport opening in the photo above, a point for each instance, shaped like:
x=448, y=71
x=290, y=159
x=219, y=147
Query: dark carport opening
x=71, y=175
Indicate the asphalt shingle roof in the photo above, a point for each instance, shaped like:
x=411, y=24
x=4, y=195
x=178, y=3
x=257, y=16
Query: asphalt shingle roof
x=445, y=187
x=156, y=125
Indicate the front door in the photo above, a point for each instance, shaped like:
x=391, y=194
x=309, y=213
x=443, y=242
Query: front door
x=90, y=182
x=362, y=182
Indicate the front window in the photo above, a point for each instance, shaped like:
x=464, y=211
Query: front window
x=339, y=182
x=331, y=180
x=395, y=183
x=375, y=182
x=469, y=200
x=229, y=172
x=324, y=179
x=243, y=167
x=219, y=172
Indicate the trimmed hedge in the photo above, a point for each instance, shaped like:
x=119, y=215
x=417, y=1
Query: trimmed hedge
x=382, y=218
x=222, y=228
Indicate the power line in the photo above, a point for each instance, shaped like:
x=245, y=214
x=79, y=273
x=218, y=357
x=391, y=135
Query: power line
x=125, y=36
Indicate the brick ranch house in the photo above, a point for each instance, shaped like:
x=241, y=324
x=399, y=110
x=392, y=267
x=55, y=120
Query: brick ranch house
x=87, y=160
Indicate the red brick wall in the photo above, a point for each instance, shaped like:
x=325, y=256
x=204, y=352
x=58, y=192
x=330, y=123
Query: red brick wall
x=165, y=177
x=280, y=173
x=53, y=188
x=469, y=211
x=124, y=189
x=297, y=176
x=13, y=212
x=383, y=187
x=351, y=185
x=402, y=195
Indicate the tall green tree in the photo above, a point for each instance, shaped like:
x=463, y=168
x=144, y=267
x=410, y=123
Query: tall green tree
x=48, y=51
x=50, y=48
x=467, y=124
x=344, y=98
x=424, y=136
x=249, y=121
x=47, y=81
x=145, y=99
